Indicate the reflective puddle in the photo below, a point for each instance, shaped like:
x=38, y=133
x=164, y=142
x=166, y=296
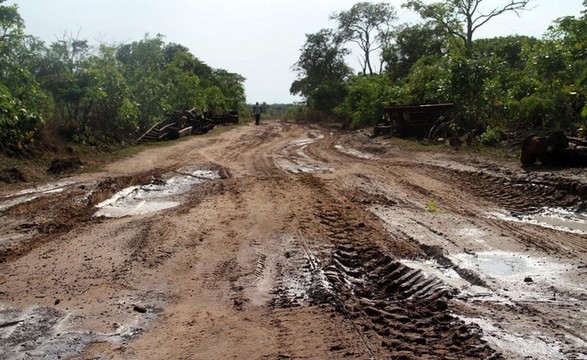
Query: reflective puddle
x=553, y=218
x=513, y=279
x=52, y=333
x=354, y=152
x=559, y=218
x=27, y=195
x=157, y=196
x=501, y=264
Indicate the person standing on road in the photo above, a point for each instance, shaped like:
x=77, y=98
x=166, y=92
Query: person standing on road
x=257, y=110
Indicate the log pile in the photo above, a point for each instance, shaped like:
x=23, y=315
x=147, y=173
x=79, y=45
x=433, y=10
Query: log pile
x=178, y=124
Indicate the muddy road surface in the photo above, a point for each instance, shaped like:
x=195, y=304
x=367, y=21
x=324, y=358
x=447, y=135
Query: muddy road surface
x=289, y=241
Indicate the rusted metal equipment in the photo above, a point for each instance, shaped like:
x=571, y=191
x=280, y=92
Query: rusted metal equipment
x=412, y=120
x=555, y=149
x=178, y=124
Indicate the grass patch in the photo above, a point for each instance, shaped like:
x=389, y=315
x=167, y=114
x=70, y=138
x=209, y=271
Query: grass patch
x=432, y=207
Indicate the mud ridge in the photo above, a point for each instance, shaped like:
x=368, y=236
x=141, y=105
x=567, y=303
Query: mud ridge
x=522, y=193
x=400, y=312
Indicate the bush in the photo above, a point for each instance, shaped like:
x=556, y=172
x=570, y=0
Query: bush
x=491, y=136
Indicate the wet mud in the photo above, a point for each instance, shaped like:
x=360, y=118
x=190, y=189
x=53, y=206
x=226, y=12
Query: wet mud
x=296, y=241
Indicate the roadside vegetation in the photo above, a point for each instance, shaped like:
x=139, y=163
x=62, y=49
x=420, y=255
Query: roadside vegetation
x=74, y=93
x=499, y=85
x=72, y=97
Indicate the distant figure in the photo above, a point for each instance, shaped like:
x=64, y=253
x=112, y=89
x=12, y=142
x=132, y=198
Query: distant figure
x=257, y=110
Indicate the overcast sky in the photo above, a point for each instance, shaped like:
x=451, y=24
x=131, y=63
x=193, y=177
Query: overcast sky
x=259, y=39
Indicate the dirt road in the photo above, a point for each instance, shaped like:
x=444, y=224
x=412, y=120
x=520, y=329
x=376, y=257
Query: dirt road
x=287, y=241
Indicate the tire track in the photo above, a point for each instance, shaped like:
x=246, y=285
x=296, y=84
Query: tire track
x=399, y=312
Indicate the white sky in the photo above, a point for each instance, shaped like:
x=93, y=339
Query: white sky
x=259, y=39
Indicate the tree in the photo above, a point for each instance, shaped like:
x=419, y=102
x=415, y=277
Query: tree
x=428, y=81
x=231, y=86
x=367, y=25
x=572, y=31
x=366, y=98
x=62, y=73
x=321, y=62
x=20, y=116
x=411, y=44
x=144, y=65
x=461, y=18
x=114, y=112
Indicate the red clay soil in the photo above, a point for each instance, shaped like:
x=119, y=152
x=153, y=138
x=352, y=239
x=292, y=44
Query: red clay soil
x=305, y=242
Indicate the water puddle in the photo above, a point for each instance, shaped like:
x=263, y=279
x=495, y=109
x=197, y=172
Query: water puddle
x=526, y=346
x=560, y=218
x=511, y=268
x=51, y=188
x=354, y=152
x=552, y=218
x=294, y=159
x=157, y=196
x=514, y=280
x=509, y=276
x=27, y=195
x=500, y=264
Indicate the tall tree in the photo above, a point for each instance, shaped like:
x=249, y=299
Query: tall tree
x=411, y=44
x=321, y=62
x=367, y=25
x=462, y=18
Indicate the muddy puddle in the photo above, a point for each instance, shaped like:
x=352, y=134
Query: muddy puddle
x=513, y=280
x=525, y=346
x=548, y=217
x=159, y=195
x=355, y=153
x=30, y=194
x=52, y=333
x=294, y=159
x=509, y=276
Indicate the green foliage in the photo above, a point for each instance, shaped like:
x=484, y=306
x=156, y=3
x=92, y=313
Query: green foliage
x=328, y=96
x=104, y=94
x=514, y=81
x=321, y=62
x=20, y=98
x=17, y=123
x=428, y=81
x=412, y=43
x=432, y=207
x=366, y=98
x=462, y=18
x=491, y=136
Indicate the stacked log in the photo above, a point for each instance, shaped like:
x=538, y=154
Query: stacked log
x=178, y=124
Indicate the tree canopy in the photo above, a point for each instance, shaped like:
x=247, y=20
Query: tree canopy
x=99, y=93
x=321, y=62
x=367, y=25
x=514, y=82
x=461, y=18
